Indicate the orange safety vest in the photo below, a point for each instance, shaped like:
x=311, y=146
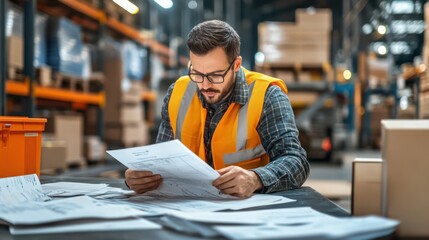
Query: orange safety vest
x=235, y=140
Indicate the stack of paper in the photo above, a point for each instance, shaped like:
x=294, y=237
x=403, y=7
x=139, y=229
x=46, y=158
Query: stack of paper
x=339, y=228
x=21, y=189
x=69, y=189
x=296, y=223
x=163, y=205
x=25, y=217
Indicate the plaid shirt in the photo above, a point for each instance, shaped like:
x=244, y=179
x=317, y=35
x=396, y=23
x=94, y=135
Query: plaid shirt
x=288, y=167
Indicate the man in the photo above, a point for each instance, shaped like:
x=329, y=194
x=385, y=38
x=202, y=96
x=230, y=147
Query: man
x=239, y=122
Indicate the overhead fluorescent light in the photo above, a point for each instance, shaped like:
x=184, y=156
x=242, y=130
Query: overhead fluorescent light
x=165, y=3
x=127, y=5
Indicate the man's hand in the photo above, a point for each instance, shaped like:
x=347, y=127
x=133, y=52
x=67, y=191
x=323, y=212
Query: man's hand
x=142, y=181
x=237, y=181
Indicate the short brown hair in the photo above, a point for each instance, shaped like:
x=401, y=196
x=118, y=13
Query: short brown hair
x=211, y=34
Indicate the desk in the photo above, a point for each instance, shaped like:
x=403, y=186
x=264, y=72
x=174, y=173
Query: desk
x=304, y=197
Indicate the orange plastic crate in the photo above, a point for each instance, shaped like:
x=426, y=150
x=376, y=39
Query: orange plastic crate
x=20, y=145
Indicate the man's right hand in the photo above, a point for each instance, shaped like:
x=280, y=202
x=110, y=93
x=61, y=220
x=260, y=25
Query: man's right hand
x=142, y=181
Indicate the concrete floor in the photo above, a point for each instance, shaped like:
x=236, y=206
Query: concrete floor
x=331, y=180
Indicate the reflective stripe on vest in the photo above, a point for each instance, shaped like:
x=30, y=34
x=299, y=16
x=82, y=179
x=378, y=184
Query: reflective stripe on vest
x=232, y=158
x=242, y=153
x=184, y=106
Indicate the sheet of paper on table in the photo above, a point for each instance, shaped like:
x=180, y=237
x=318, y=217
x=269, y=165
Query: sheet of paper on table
x=82, y=207
x=87, y=226
x=18, y=189
x=300, y=215
x=98, y=191
x=163, y=205
x=338, y=228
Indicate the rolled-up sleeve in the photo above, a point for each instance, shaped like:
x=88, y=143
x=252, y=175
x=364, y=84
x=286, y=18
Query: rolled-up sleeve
x=288, y=167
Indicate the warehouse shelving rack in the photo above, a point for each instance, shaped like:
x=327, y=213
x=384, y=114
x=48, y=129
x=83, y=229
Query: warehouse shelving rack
x=78, y=100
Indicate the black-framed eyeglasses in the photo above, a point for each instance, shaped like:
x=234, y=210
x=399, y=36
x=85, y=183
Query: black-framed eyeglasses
x=213, y=78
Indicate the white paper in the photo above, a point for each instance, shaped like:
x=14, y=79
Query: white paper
x=99, y=191
x=162, y=205
x=301, y=215
x=21, y=189
x=65, y=209
x=82, y=226
x=183, y=172
x=338, y=228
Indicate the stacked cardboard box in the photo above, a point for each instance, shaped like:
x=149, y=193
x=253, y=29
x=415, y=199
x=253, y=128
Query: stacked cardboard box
x=123, y=115
x=307, y=42
x=378, y=70
x=68, y=128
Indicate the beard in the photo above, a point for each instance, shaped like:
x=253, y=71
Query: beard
x=213, y=96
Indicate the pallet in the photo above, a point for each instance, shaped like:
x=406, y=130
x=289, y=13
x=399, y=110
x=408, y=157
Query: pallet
x=71, y=83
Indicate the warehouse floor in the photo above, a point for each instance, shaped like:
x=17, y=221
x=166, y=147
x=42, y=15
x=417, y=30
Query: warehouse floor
x=331, y=180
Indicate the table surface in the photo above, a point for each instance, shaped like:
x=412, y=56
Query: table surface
x=305, y=197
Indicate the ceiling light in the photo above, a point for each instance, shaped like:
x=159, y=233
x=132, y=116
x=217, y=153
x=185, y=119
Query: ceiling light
x=347, y=74
x=382, y=29
x=164, y=3
x=127, y=5
x=382, y=50
x=192, y=4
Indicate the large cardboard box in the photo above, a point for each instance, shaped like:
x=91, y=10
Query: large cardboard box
x=53, y=155
x=15, y=53
x=69, y=128
x=128, y=135
x=124, y=113
x=95, y=149
x=320, y=18
x=366, y=186
x=405, y=188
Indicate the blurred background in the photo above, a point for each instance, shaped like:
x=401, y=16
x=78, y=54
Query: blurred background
x=98, y=71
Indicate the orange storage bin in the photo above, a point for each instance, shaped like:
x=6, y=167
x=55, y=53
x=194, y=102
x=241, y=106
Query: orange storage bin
x=20, y=145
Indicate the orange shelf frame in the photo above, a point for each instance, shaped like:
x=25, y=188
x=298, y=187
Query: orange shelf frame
x=114, y=24
x=149, y=96
x=84, y=8
x=22, y=89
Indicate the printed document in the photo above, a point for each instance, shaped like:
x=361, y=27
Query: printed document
x=163, y=205
x=21, y=189
x=337, y=228
x=87, y=226
x=300, y=215
x=31, y=213
x=98, y=191
x=183, y=172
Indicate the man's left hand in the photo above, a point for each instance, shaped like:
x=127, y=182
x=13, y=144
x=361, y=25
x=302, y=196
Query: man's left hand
x=237, y=181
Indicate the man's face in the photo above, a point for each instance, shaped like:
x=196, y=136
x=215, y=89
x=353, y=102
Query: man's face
x=214, y=63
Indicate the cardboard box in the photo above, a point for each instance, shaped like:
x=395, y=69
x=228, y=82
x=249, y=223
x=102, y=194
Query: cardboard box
x=290, y=33
x=128, y=135
x=320, y=18
x=366, y=186
x=15, y=52
x=69, y=128
x=124, y=113
x=54, y=154
x=405, y=188
x=44, y=76
x=95, y=149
